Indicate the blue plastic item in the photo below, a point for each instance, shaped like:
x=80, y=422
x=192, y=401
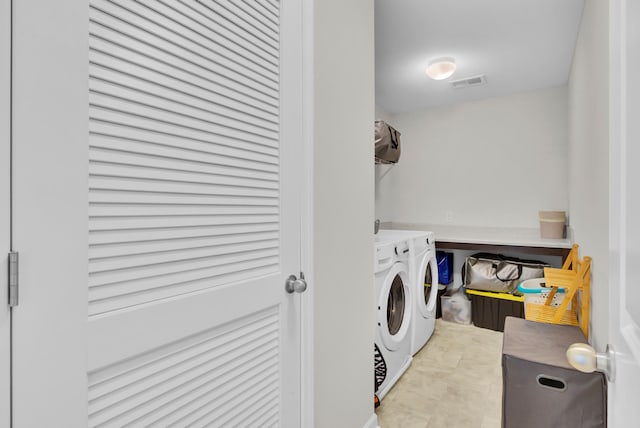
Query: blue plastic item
x=445, y=267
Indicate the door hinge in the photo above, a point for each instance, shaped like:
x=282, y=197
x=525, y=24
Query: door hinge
x=13, y=278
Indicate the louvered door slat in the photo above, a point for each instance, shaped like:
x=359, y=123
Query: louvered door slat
x=109, y=196
x=218, y=342
x=237, y=405
x=216, y=25
x=265, y=415
x=180, y=267
x=126, y=73
x=180, y=382
x=152, y=146
x=193, y=130
x=131, y=210
x=131, y=171
x=262, y=12
x=239, y=18
x=158, y=403
x=137, y=223
x=263, y=385
x=129, y=294
x=236, y=41
x=170, y=186
x=142, y=27
x=239, y=62
x=148, y=57
x=152, y=93
x=166, y=245
x=137, y=113
x=271, y=8
x=130, y=57
x=170, y=110
x=173, y=382
x=172, y=22
x=260, y=410
x=151, y=235
x=182, y=161
x=274, y=4
x=245, y=11
x=108, y=264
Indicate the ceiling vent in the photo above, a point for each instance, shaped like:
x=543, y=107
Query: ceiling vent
x=470, y=81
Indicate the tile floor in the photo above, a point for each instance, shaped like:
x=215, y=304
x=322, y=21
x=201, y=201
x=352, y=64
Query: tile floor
x=455, y=381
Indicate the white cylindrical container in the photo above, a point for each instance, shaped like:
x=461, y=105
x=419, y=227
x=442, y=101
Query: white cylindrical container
x=552, y=224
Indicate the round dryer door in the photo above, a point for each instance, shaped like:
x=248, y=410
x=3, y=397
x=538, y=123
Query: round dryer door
x=394, y=307
x=428, y=292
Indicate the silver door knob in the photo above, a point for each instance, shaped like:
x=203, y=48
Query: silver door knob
x=295, y=285
x=583, y=357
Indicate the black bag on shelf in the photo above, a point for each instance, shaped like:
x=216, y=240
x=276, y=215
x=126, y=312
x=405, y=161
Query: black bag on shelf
x=495, y=272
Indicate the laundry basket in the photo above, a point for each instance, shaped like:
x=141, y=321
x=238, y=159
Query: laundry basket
x=536, y=291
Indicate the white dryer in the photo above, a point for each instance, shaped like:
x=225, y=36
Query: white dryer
x=424, y=271
x=394, y=307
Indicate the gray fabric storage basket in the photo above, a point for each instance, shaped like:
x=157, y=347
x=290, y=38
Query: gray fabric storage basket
x=539, y=387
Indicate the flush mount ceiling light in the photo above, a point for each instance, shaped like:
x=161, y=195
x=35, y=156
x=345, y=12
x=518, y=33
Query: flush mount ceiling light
x=441, y=68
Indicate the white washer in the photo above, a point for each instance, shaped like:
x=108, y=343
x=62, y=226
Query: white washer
x=424, y=271
x=394, y=307
x=423, y=268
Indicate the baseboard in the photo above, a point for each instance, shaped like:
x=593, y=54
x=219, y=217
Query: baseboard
x=372, y=422
x=382, y=392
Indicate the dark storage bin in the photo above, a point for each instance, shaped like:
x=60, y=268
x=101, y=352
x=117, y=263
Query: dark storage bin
x=540, y=388
x=488, y=309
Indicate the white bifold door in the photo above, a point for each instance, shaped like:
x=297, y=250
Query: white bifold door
x=624, y=202
x=156, y=203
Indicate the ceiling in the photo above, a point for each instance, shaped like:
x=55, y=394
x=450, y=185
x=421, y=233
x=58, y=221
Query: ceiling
x=520, y=45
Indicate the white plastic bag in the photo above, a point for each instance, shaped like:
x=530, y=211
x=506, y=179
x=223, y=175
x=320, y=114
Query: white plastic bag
x=456, y=307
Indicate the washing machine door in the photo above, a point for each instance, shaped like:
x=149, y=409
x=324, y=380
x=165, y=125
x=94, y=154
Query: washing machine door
x=427, y=285
x=394, y=307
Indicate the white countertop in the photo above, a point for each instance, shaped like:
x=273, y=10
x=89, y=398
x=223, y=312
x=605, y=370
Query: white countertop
x=514, y=236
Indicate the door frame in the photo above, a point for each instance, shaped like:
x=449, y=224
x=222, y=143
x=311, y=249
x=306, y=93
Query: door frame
x=5, y=209
x=307, y=316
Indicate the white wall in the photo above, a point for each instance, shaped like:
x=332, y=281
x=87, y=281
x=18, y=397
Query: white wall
x=382, y=114
x=493, y=162
x=343, y=211
x=589, y=154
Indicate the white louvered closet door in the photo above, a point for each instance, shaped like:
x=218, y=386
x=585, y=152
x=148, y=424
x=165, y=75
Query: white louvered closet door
x=193, y=141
